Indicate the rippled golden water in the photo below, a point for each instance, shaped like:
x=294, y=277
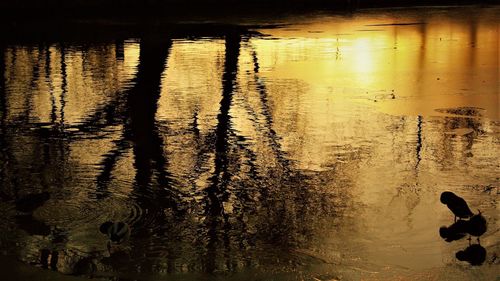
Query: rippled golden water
x=314, y=148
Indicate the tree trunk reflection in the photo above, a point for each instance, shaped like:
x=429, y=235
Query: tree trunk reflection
x=217, y=192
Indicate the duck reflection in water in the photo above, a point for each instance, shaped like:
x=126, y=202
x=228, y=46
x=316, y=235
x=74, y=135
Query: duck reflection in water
x=475, y=226
x=475, y=254
x=454, y=232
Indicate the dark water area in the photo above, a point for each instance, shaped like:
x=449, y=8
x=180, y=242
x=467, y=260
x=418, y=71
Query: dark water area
x=311, y=147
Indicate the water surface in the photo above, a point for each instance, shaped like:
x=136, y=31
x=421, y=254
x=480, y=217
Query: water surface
x=312, y=148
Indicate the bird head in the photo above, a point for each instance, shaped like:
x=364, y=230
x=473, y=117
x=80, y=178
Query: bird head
x=446, y=197
x=105, y=227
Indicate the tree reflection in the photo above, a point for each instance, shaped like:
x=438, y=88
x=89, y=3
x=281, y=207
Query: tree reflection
x=217, y=193
x=252, y=201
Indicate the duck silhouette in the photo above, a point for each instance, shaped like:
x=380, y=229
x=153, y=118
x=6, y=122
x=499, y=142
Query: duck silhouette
x=117, y=232
x=474, y=254
x=454, y=232
x=456, y=204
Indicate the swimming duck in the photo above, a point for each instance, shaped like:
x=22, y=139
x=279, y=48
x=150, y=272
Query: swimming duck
x=117, y=232
x=456, y=204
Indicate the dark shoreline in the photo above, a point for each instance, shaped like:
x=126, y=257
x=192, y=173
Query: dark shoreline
x=153, y=9
x=30, y=26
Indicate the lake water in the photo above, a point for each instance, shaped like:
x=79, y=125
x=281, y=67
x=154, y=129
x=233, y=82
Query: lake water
x=299, y=147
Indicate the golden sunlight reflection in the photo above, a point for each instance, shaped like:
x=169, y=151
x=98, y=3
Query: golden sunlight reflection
x=417, y=61
x=363, y=59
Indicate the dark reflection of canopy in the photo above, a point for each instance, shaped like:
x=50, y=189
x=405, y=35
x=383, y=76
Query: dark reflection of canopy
x=243, y=214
